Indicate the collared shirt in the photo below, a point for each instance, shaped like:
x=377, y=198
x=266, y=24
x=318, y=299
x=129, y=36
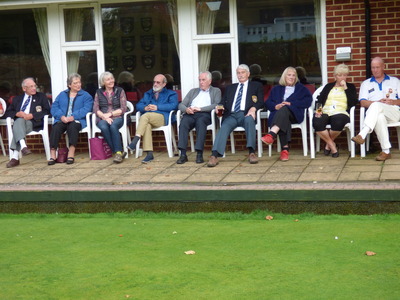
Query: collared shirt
x=28, y=108
x=243, y=101
x=202, y=99
x=374, y=91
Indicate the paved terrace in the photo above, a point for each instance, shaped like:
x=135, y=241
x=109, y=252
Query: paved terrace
x=233, y=172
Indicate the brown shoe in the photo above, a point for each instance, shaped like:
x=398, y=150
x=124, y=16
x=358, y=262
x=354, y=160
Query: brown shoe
x=13, y=163
x=358, y=139
x=25, y=151
x=383, y=156
x=253, y=158
x=212, y=162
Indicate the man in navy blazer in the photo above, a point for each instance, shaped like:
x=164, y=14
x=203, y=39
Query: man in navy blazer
x=241, y=102
x=28, y=111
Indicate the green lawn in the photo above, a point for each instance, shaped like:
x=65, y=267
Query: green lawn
x=238, y=256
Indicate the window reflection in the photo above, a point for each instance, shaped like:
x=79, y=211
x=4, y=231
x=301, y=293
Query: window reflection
x=85, y=64
x=141, y=38
x=275, y=35
x=212, y=17
x=20, y=53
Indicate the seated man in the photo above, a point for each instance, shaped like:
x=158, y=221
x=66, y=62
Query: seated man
x=28, y=111
x=241, y=102
x=155, y=106
x=196, y=108
x=380, y=94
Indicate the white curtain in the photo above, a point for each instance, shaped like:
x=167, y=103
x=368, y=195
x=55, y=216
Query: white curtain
x=317, y=15
x=73, y=22
x=40, y=16
x=173, y=13
x=205, y=25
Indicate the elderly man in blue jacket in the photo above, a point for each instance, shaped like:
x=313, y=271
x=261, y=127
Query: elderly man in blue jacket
x=155, y=106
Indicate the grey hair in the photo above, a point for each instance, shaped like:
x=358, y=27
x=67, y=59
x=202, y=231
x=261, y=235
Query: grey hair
x=243, y=67
x=23, y=84
x=282, y=80
x=71, y=77
x=103, y=76
x=208, y=73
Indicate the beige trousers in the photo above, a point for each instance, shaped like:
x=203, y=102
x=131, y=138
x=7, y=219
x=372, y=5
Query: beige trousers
x=147, y=122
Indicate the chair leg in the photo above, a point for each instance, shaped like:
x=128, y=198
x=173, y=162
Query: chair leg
x=2, y=145
x=191, y=140
x=168, y=141
x=233, y=150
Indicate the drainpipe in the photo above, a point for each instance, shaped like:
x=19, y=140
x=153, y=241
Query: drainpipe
x=367, y=38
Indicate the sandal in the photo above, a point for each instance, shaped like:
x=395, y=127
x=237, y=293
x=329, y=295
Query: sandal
x=70, y=160
x=51, y=161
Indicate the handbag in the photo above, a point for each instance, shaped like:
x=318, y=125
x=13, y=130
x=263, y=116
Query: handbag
x=99, y=149
x=62, y=155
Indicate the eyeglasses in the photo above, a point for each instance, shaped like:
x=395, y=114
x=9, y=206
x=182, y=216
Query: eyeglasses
x=31, y=86
x=158, y=82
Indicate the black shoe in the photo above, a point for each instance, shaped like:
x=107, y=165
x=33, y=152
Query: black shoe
x=199, y=158
x=336, y=154
x=182, y=159
x=327, y=152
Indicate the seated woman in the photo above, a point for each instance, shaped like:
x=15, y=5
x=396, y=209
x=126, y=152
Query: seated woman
x=69, y=112
x=286, y=104
x=336, y=99
x=109, y=107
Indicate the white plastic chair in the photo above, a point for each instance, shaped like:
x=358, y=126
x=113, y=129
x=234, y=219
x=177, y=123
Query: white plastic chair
x=211, y=127
x=349, y=127
x=168, y=133
x=365, y=147
x=124, y=130
x=43, y=132
x=4, y=105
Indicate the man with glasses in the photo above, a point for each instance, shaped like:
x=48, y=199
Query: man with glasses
x=28, y=111
x=155, y=106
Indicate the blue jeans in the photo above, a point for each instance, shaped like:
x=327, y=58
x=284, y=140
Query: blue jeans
x=111, y=133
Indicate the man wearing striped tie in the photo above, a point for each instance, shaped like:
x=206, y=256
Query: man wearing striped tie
x=241, y=102
x=28, y=111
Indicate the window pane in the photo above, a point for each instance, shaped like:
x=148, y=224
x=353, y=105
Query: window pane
x=20, y=53
x=276, y=35
x=212, y=17
x=79, y=24
x=85, y=64
x=139, y=39
x=218, y=59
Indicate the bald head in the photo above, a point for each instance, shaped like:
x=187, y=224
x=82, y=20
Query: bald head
x=378, y=68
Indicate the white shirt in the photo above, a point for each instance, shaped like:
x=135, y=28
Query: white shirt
x=373, y=91
x=243, y=101
x=28, y=108
x=202, y=99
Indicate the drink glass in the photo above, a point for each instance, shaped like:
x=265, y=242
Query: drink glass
x=318, y=110
x=220, y=110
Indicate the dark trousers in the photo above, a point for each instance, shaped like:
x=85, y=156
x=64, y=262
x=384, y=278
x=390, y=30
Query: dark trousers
x=337, y=122
x=284, y=119
x=72, y=129
x=200, y=121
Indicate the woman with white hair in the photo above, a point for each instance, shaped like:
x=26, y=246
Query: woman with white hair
x=336, y=99
x=109, y=107
x=286, y=104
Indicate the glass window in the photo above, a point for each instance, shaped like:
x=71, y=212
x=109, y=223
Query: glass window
x=212, y=17
x=85, y=64
x=216, y=58
x=79, y=24
x=276, y=34
x=21, y=53
x=140, y=38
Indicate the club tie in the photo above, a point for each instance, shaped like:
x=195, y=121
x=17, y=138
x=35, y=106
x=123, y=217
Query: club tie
x=24, y=106
x=239, y=99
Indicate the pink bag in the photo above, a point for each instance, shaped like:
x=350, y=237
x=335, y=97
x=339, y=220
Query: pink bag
x=62, y=155
x=99, y=149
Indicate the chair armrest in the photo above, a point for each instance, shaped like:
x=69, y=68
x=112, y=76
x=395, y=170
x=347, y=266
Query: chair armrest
x=178, y=118
x=171, y=113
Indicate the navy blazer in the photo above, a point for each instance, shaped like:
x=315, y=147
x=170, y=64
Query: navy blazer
x=39, y=108
x=254, y=97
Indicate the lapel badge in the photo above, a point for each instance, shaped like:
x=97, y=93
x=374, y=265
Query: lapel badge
x=254, y=98
x=38, y=108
